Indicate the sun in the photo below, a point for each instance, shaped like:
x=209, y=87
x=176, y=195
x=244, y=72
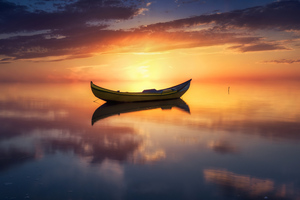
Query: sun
x=139, y=73
x=143, y=72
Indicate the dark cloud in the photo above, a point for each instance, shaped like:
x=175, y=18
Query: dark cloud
x=283, y=61
x=15, y=18
x=76, y=43
x=259, y=47
x=6, y=60
x=77, y=28
x=283, y=15
x=73, y=42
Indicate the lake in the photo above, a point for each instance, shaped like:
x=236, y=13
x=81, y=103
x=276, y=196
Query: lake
x=220, y=141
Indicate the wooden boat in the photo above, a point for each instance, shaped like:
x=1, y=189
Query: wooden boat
x=114, y=108
x=147, y=95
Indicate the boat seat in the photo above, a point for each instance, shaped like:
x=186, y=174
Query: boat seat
x=151, y=91
x=167, y=90
x=158, y=91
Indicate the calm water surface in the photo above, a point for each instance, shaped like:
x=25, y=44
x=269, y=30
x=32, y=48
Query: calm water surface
x=216, y=142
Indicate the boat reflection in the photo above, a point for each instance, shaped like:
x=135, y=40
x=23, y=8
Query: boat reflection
x=109, y=109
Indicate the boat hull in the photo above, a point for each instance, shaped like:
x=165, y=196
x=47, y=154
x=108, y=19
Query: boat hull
x=164, y=94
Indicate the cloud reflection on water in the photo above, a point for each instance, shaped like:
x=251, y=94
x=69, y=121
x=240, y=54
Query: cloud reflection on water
x=247, y=187
x=219, y=132
x=119, y=142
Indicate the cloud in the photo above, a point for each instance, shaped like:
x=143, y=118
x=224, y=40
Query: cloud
x=6, y=60
x=282, y=61
x=74, y=31
x=15, y=18
x=81, y=29
x=142, y=11
x=74, y=43
x=283, y=15
x=263, y=46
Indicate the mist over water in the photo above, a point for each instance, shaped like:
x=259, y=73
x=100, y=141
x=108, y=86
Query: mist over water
x=220, y=141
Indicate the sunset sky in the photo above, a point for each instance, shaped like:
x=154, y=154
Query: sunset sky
x=154, y=40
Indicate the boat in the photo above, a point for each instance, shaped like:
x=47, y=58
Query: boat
x=174, y=92
x=116, y=108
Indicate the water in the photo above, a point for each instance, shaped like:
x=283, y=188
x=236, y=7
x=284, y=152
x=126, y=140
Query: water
x=217, y=142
